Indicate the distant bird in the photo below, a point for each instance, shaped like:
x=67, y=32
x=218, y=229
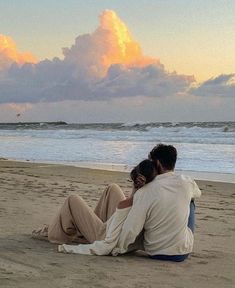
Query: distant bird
x=18, y=115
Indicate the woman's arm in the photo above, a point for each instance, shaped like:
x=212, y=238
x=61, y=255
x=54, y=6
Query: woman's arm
x=125, y=203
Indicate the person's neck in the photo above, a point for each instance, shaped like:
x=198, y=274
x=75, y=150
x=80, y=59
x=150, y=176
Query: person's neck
x=163, y=171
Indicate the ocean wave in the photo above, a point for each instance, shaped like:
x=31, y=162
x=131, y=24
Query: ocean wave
x=128, y=126
x=135, y=132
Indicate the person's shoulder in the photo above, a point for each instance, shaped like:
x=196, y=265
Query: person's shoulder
x=185, y=177
x=191, y=185
x=146, y=189
x=187, y=181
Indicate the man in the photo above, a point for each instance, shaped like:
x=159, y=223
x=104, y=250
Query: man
x=163, y=210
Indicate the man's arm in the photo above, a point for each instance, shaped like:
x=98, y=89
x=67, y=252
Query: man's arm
x=196, y=192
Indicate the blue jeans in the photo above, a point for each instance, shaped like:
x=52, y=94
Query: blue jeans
x=191, y=225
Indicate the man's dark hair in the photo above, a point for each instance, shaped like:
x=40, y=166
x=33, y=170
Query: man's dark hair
x=145, y=168
x=165, y=154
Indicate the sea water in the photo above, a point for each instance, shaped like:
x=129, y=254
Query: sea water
x=202, y=146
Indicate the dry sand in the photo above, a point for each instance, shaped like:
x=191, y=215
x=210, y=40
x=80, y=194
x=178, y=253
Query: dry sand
x=30, y=194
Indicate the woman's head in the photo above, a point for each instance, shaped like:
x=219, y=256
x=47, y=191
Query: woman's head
x=145, y=169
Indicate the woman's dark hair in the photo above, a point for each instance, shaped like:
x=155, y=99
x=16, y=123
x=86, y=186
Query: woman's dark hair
x=145, y=168
x=165, y=154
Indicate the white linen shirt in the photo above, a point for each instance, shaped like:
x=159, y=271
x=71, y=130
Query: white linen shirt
x=161, y=208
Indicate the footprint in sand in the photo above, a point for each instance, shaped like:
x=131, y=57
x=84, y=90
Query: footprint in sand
x=54, y=264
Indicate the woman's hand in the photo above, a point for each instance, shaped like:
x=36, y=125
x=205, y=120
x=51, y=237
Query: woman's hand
x=140, y=181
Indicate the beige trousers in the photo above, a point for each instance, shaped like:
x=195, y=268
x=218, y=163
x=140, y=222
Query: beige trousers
x=77, y=220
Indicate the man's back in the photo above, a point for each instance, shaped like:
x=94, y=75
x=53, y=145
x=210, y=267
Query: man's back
x=161, y=208
x=166, y=230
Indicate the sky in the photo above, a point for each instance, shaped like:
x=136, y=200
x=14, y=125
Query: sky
x=117, y=61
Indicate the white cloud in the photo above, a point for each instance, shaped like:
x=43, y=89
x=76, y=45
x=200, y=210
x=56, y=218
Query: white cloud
x=104, y=64
x=221, y=86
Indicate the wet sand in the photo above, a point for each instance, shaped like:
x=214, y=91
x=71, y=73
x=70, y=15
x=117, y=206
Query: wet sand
x=31, y=193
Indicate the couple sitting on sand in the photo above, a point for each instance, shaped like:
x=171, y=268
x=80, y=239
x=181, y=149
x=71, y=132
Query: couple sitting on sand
x=157, y=218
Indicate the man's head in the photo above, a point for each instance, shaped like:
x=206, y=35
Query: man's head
x=164, y=157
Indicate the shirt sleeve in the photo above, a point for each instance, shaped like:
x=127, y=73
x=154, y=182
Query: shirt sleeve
x=133, y=224
x=196, y=192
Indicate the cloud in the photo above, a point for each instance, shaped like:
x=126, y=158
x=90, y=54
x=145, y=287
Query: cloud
x=129, y=109
x=105, y=64
x=151, y=80
x=221, y=86
x=111, y=43
x=10, y=55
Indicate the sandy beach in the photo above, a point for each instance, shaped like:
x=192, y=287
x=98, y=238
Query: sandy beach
x=31, y=193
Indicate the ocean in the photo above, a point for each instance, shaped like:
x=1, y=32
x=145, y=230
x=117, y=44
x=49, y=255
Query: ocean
x=202, y=146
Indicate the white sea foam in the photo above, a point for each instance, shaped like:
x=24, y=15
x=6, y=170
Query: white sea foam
x=202, y=146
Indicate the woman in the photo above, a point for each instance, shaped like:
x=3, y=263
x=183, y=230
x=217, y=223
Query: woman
x=77, y=222
x=145, y=170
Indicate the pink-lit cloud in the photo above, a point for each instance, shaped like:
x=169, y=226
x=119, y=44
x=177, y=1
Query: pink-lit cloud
x=9, y=54
x=110, y=44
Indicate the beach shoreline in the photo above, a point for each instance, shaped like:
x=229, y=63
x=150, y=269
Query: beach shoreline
x=197, y=175
x=31, y=194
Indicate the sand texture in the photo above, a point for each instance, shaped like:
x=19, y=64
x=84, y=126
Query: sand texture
x=30, y=194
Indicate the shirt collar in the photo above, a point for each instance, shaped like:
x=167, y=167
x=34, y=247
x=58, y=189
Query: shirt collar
x=165, y=175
